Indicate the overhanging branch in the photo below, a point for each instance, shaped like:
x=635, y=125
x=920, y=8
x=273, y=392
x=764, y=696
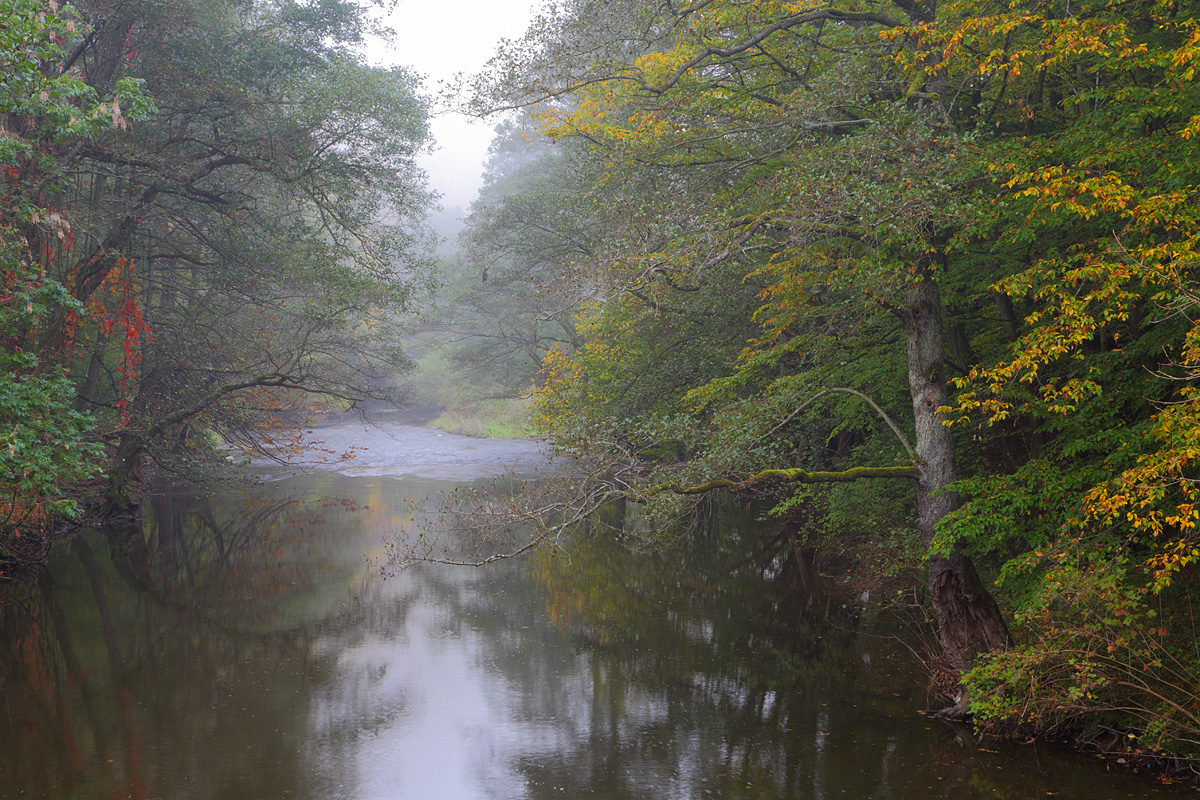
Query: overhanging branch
x=808, y=18
x=782, y=475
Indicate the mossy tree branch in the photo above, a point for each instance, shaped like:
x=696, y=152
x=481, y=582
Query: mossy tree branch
x=795, y=475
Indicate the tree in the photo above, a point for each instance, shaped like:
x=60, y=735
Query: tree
x=791, y=139
x=1092, y=230
x=251, y=243
x=503, y=302
x=188, y=269
x=43, y=446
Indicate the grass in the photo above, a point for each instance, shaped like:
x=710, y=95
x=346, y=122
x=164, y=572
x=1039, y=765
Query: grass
x=487, y=419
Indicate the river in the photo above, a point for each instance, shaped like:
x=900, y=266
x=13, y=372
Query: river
x=243, y=645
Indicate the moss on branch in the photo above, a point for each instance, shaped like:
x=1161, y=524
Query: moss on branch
x=781, y=475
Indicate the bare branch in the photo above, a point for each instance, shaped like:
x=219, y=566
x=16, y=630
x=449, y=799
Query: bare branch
x=890, y=423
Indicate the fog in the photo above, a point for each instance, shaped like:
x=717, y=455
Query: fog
x=440, y=41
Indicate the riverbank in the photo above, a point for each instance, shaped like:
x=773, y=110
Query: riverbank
x=487, y=419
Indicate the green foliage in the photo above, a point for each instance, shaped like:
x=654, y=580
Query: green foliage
x=1101, y=650
x=204, y=261
x=62, y=106
x=43, y=450
x=1081, y=494
x=785, y=194
x=503, y=301
x=257, y=237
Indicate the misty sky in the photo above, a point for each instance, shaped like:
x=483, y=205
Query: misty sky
x=439, y=40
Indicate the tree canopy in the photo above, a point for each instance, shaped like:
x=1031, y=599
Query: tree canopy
x=797, y=208
x=212, y=213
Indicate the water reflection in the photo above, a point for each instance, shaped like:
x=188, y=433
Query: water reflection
x=241, y=646
x=145, y=657
x=723, y=671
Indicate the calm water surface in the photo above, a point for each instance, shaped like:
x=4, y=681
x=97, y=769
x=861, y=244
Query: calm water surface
x=244, y=646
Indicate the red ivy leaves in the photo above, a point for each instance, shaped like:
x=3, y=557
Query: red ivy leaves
x=119, y=291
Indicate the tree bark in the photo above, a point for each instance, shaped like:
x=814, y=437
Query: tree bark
x=119, y=500
x=968, y=619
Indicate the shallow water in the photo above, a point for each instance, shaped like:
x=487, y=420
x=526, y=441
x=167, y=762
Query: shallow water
x=391, y=446
x=244, y=646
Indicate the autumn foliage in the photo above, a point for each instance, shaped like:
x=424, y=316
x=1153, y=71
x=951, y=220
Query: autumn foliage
x=809, y=169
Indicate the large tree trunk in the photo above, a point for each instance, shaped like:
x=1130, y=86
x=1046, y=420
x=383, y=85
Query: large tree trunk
x=969, y=621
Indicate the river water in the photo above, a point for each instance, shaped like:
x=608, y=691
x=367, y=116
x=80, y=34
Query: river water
x=243, y=645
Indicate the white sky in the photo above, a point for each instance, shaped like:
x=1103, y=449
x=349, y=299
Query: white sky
x=439, y=39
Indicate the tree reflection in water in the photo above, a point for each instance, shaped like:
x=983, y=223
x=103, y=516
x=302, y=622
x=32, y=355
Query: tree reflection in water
x=730, y=669
x=158, y=652
x=242, y=647
x=701, y=667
